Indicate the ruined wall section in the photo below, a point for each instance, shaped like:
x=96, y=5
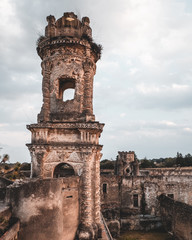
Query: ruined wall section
x=126, y=164
x=176, y=171
x=110, y=196
x=138, y=206
x=176, y=217
x=47, y=209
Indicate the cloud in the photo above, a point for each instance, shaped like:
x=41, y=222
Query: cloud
x=143, y=84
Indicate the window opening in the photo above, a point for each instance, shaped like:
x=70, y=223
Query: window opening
x=68, y=94
x=69, y=196
x=171, y=195
x=135, y=200
x=104, y=188
x=66, y=89
x=127, y=170
x=63, y=170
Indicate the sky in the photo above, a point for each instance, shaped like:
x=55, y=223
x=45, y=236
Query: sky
x=143, y=83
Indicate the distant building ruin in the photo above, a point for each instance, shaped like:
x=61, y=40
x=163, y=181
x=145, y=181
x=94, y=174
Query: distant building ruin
x=131, y=198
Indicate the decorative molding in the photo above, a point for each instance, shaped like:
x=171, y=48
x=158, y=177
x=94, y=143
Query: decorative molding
x=94, y=125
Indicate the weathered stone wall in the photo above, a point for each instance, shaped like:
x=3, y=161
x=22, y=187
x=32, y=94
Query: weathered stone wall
x=69, y=58
x=47, y=209
x=176, y=171
x=3, y=185
x=146, y=214
x=176, y=217
x=126, y=164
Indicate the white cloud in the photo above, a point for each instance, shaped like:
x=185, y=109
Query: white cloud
x=122, y=115
x=133, y=71
x=143, y=85
x=187, y=129
x=169, y=123
x=163, y=89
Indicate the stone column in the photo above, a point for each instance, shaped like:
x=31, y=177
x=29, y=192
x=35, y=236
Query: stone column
x=86, y=231
x=44, y=115
x=88, y=89
x=97, y=192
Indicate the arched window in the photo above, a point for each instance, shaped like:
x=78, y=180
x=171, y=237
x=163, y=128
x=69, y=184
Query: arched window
x=135, y=200
x=171, y=195
x=104, y=187
x=63, y=170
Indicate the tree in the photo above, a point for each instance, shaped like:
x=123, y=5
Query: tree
x=169, y=162
x=107, y=164
x=147, y=163
x=5, y=158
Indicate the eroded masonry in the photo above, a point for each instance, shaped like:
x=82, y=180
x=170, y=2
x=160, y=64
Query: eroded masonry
x=134, y=199
x=65, y=141
x=61, y=200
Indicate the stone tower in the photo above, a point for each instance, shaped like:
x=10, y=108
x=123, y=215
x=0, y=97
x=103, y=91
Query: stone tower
x=127, y=164
x=66, y=138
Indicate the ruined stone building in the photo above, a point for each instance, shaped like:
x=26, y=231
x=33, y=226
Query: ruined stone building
x=66, y=138
x=131, y=199
x=62, y=200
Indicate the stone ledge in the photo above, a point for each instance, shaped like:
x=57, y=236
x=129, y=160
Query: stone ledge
x=93, y=125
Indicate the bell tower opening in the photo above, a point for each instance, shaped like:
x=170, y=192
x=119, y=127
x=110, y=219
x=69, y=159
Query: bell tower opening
x=66, y=89
x=63, y=170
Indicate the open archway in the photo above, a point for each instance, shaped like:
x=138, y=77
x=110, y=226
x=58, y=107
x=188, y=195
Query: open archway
x=63, y=170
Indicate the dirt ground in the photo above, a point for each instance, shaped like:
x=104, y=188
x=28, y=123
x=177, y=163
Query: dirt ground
x=137, y=235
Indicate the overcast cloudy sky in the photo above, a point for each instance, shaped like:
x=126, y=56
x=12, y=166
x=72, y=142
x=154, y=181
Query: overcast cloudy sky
x=143, y=84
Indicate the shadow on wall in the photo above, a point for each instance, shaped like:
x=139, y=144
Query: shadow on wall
x=47, y=209
x=176, y=217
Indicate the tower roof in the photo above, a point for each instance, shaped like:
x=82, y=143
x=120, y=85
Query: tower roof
x=68, y=25
x=68, y=30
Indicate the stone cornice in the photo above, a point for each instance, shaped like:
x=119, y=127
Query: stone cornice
x=65, y=146
x=67, y=125
x=62, y=40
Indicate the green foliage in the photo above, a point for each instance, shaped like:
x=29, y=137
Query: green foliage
x=25, y=166
x=9, y=176
x=184, y=161
x=7, y=167
x=16, y=168
x=169, y=162
x=179, y=160
x=13, y=171
x=40, y=39
x=147, y=164
x=97, y=48
x=107, y=164
x=5, y=158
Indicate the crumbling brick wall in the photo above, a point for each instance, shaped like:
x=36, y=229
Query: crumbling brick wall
x=176, y=217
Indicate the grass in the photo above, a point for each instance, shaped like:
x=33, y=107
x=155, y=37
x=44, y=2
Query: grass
x=139, y=235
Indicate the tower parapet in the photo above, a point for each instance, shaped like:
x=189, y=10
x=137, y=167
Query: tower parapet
x=68, y=25
x=127, y=164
